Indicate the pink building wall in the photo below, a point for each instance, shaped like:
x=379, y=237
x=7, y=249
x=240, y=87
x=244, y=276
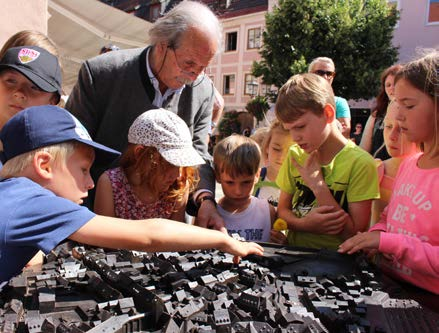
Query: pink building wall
x=414, y=31
x=20, y=15
x=237, y=62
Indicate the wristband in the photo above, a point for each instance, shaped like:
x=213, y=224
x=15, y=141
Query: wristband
x=207, y=197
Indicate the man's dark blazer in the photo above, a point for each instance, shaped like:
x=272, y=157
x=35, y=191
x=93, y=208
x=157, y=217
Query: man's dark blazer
x=114, y=88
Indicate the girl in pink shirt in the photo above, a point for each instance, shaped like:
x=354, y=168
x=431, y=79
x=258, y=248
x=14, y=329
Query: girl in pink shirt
x=407, y=234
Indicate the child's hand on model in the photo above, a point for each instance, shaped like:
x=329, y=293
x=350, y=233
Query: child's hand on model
x=368, y=241
x=241, y=249
x=324, y=220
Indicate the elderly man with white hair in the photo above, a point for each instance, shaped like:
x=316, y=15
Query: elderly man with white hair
x=116, y=87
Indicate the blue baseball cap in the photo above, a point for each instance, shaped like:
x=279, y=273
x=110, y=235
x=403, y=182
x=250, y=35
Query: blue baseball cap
x=45, y=125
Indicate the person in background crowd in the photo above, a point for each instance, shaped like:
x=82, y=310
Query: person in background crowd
x=274, y=149
x=399, y=148
x=109, y=48
x=407, y=235
x=114, y=88
x=259, y=136
x=29, y=76
x=217, y=112
x=156, y=173
x=325, y=68
x=218, y=108
x=372, y=139
x=34, y=38
x=357, y=134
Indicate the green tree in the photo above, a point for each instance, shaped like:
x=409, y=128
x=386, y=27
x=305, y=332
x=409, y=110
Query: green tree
x=356, y=34
x=229, y=124
x=258, y=107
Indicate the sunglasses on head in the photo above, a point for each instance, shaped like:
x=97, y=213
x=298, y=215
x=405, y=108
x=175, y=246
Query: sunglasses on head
x=320, y=72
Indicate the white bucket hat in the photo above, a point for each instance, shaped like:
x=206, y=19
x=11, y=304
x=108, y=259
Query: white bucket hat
x=168, y=133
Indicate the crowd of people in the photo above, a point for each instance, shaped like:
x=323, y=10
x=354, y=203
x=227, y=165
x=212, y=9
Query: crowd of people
x=304, y=169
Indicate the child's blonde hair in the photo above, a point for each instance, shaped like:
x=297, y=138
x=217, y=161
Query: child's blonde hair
x=275, y=126
x=237, y=155
x=260, y=135
x=149, y=164
x=60, y=153
x=301, y=94
x=423, y=74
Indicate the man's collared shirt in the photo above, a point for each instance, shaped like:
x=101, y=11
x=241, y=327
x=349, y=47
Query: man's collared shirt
x=159, y=99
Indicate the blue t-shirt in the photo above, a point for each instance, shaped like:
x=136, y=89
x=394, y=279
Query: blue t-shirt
x=31, y=219
x=342, y=108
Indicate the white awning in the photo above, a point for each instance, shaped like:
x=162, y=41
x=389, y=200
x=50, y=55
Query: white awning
x=81, y=27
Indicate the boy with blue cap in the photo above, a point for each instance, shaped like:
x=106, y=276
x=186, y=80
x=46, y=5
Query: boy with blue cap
x=47, y=155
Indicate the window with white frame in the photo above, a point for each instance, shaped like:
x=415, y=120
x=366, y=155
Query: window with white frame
x=433, y=12
x=254, y=38
x=250, y=85
x=231, y=41
x=229, y=84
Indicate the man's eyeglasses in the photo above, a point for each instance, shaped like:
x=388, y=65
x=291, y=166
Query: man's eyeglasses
x=187, y=67
x=323, y=73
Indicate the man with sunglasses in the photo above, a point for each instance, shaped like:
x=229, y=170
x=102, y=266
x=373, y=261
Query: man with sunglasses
x=324, y=67
x=116, y=87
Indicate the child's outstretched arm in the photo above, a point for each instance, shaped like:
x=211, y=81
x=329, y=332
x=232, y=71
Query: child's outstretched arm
x=361, y=241
x=418, y=255
x=158, y=235
x=409, y=251
x=367, y=241
x=104, y=202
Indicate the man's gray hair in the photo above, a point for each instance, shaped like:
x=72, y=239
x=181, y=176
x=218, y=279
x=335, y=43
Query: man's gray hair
x=320, y=59
x=186, y=15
